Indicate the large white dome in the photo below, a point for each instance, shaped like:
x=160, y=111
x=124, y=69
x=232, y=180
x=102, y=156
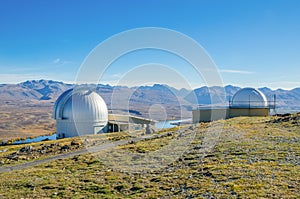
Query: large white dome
x=80, y=112
x=249, y=98
x=85, y=106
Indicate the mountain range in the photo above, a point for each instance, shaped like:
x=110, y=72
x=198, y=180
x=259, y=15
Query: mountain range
x=143, y=100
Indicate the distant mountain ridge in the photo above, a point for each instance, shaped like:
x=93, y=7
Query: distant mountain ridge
x=33, y=90
x=139, y=98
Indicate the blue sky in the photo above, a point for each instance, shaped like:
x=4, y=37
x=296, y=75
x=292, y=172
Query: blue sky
x=253, y=43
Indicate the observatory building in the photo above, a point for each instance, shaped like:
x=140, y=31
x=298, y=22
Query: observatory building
x=79, y=112
x=83, y=112
x=249, y=102
x=245, y=102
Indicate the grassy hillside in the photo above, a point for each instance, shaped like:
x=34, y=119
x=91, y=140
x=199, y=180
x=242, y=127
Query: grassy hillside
x=253, y=157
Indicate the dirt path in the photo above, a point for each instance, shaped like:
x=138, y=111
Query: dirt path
x=93, y=149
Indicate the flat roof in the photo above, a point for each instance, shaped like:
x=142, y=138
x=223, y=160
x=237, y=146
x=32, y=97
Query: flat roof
x=116, y=122
x=212, y=107
x=118, y=118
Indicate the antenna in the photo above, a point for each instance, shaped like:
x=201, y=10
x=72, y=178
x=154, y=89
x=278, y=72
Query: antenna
x=274, y=101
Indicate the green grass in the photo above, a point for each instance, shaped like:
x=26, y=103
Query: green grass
x=253, y=158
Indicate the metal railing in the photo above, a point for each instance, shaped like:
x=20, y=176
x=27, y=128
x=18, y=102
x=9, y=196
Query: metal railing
x=270, y=104
x=252, y=104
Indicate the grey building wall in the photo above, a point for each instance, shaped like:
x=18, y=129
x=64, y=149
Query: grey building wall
x=207, y=115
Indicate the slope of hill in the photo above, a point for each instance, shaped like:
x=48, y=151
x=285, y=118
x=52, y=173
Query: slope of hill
x=255, y=157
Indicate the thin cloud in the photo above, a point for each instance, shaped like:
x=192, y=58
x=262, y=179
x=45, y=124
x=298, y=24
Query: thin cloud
x=60, y=62
x=243, y=72
x=117, y=75
x=111, y=77
x=56, y=61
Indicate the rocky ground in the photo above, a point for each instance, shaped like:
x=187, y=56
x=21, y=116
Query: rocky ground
x=293, y=118
x=16, y=154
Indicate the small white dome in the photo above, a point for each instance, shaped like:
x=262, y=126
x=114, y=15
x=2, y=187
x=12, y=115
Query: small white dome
x=249, y=98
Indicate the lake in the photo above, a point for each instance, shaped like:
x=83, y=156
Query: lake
x=36, y=139
x=170, y=123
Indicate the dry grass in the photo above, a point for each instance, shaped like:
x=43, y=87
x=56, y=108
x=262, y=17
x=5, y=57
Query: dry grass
x=18, y=121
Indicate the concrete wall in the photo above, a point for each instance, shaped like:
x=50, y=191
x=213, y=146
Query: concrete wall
x=236, y=112
x=207, y=115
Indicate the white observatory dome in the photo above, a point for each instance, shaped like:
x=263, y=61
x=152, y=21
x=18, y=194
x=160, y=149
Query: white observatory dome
x=79, y=112
x=249, y=98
